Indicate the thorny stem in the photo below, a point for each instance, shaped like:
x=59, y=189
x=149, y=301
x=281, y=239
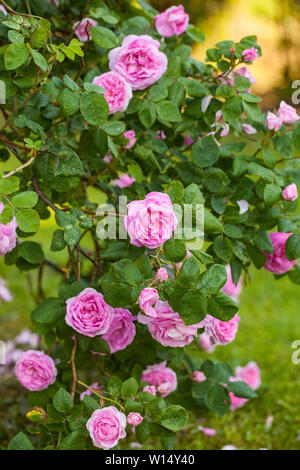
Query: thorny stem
x=99, y=395
x=74, y=373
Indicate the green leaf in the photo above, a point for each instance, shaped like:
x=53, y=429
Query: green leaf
x=168, y=111
x=94, y=108
x=114, y=386
x=292, y=247
x=90, y=404
x=232, y=108
x=68, y=164
x=156, y=408
x=176, y=191
x=39, y=60
x=32, y=252
x=192, y=307
x=129, y=388
x=272, y=194
x=142, y=431
x=223, y=248
x=15, y=55
x=147, y=114
x=195, y=34
x=58, y=242
x=9, y=185
x=7, y=214
x=128, y=272
x=174, y=250
x=221, y=306
x=174, y=418
x=205, y=152
x=189, y=272
x=262, y=240
x=213, y=279
x=117, y=294
x=72, y=235
x=114, y=127
x=217, y=399
x=73, y=441
x=28, y=220
x=69, y=102
x=62, y=401
x=20, y=442
x=241, y=389
x=103, y=37
x=49, y=311
x=27, y=199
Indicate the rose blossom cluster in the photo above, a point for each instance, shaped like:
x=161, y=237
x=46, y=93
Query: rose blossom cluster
x=277, y=262
x=250, y=374
x=286, y=115
x=90, y=315
x=161, y=377
x=150, y=222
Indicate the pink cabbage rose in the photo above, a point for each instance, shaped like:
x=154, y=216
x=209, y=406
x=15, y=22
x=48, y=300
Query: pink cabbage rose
x=277, y=262
x=162, y=275
x=8, y=235
x=130, y=135
x=88, y=313
x=274, y=122
x=250, y=54
x=249, y=374
x=106, y=426
x=5, y=293
x=290, y=193
x=172, y=21
x=205, y=343
x=147, y=298
x=229, y=287
x=169, y=329
x=287, y=113
x=198, y=376
x=35, y=370
x=161, y=377
x=88, y=391
x=124, y=181
x=121, y=331
x=118, y=92
x=249, y=129
x=221, y=332
x=150, y=222
x=139, y=61
x=134, y=418
x=150, y=389
x=82, y=29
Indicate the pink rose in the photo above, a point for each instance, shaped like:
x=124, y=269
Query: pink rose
x=124, y=181
x=88, y=313
x=161, y=377
x=172, y=21
x=8, y=235
x=249, y=129
x=106, y=426
x=35, y=370
x=277, y=262
x=274, y=122
x=287, y=113
x=121, y=331
x=150, y=389
x=82, y=29
x=290, y=193
x=169, y=329
x=5, y=293
x=139, y=61
x=229, y=287
x=198, y=376
x=221, y=332
x=250, y=54
x=162, y=275
x=3, y=10
x=89, y=392
x=208, y=431
x=249, y=374
x=134, y=418
x=147, y=298
x=130, y=135
x=118, y=92
x=188, y=141
x=205, y=343
x=236, y=402
x=150, y=222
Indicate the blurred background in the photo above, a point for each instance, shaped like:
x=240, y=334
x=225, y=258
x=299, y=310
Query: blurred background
x=276, y=23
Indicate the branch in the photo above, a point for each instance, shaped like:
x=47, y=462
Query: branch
x=74, y=373
x=42, y=195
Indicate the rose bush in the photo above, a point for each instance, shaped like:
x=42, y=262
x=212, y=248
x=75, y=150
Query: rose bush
x=108, y=98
